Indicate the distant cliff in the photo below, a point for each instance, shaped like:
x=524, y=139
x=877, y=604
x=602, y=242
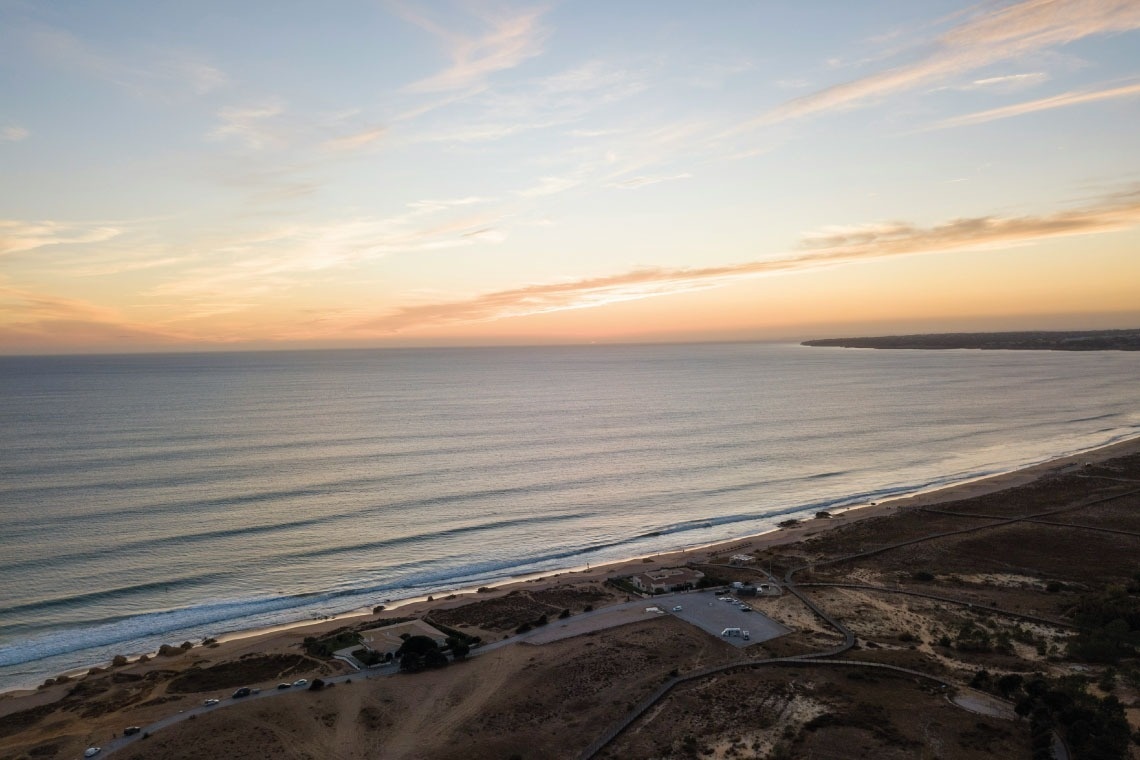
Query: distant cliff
x=1081, y=340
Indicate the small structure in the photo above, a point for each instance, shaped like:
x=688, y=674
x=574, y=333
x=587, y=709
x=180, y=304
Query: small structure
x=387, y=640
x=669, y=579
x=741, y=559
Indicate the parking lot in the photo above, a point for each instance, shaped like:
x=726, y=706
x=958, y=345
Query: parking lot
x=705, y=610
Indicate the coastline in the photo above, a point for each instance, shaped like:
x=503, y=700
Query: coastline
x=288, y=636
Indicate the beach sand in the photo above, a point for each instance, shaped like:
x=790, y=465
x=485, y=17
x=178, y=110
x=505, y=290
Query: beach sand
x=289, y=637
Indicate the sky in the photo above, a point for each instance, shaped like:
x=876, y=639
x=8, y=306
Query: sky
x=208, y=175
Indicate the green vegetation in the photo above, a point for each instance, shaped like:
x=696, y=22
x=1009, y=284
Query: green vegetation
x=466, y=638
x=368, y=657
x=1109, y=625
x=973, y=638
x=1094, y=729
x=324, y=646
x=459, y=648
x=420, y=653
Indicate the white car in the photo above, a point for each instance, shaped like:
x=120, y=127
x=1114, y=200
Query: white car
x=211, y=702
x=92, y=751
x=301, y=682
x=677, y=608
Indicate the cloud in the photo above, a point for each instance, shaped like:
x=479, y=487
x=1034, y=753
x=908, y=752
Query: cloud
x=830, y=247
x=201, y=77
x=153, y=73
x=249, y=125
x=1008, y=82
x=1064, y=100
x=34, y=322
x=636, y=182
x=284, y=257
x=13, y=134
x=16, y=236
x=507, y=40
x=355, y=141
x=550, y=186
x=1004, y=34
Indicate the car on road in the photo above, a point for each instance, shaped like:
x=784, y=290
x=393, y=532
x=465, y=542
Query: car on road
x=677, y=608
x=131, y=730
x=301, y=682
x=92, y=751
x=211, y=702
x=284, y=686
x=244, y=691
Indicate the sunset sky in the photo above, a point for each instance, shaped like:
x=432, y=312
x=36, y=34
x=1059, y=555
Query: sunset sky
x=201, y=175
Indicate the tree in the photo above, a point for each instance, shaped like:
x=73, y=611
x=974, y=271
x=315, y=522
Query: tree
x=418, y=645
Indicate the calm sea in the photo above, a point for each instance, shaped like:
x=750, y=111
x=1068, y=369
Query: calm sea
x=155, y=499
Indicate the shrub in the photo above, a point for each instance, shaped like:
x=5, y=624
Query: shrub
x=923, y=575
x=317, y=684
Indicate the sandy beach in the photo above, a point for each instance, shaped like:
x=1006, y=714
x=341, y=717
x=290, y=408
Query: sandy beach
x=288, y=637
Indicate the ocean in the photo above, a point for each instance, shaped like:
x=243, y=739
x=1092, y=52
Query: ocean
x=154, y=499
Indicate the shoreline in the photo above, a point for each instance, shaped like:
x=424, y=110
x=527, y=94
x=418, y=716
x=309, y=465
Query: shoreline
x=287, y=634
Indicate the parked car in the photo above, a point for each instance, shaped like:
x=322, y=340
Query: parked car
x=244, y=691
x=131, y=730
x=301, y=682
x=211, y=702
x=677, y=608
x=284, y=686
x=92, y=751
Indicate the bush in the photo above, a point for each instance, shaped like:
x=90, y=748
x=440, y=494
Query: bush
x=923, y=575
x=459, y=648
x=317, y=684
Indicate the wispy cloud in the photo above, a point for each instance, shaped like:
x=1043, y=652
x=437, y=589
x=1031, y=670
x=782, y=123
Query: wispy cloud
x=151, y=73
x=1064, y=100
x=551, y=186
x=284, y=257
x=13, y=133
x=355, y=141
x=35, y=321
x=1007, y=33
x=1007, y=82
x=505, y=40
x=17, y=236
x=252, y=125
x=830, y=247
x=636, y=182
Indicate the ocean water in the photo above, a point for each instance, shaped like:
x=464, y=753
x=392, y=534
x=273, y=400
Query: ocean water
x=155, y=499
